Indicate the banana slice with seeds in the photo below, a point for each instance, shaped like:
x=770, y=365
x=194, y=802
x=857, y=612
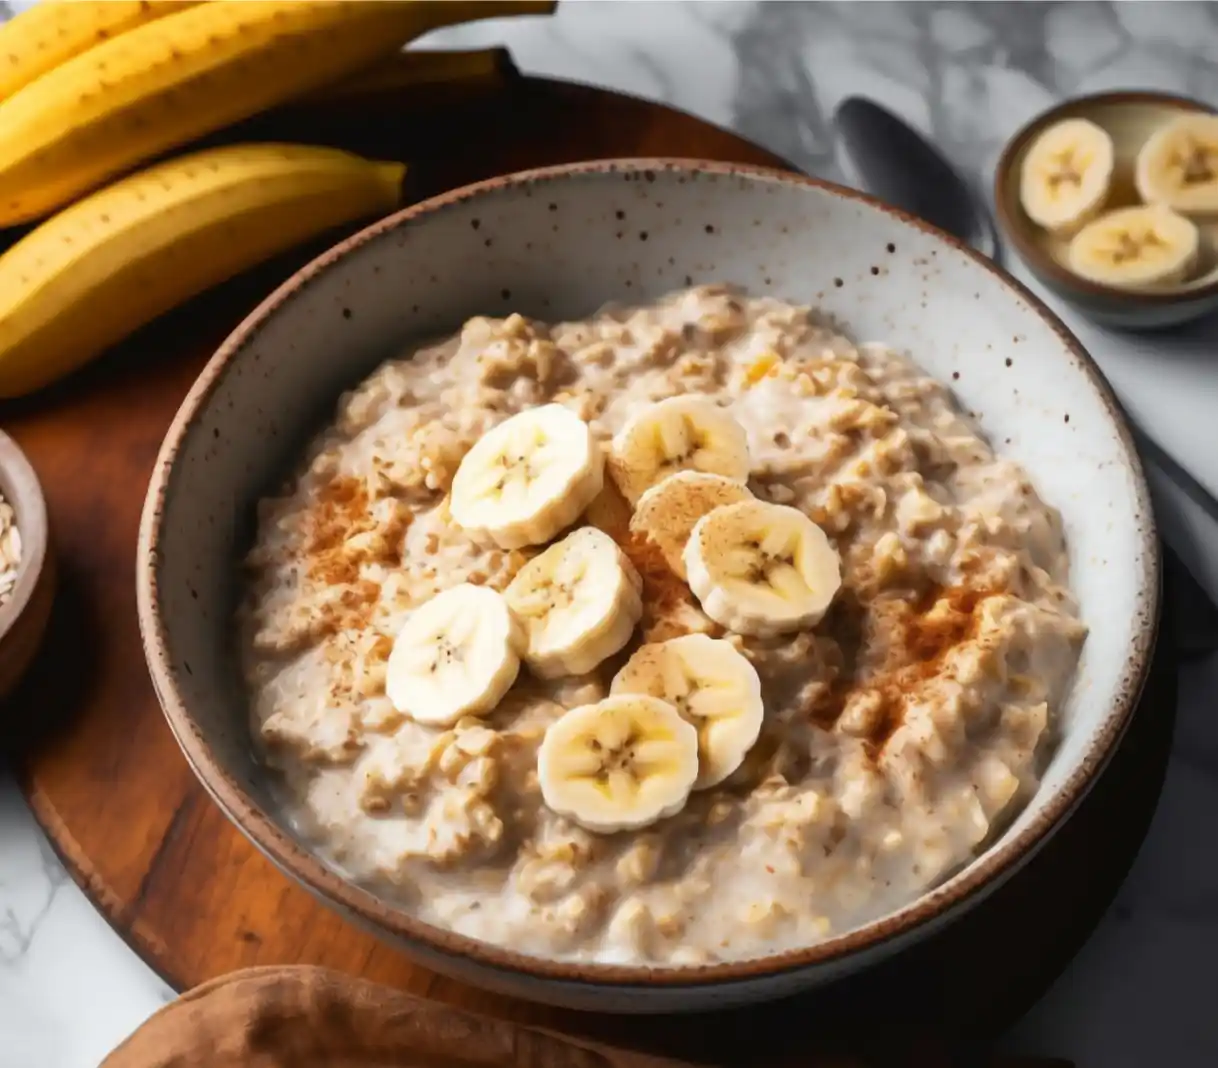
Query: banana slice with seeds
x=1178, y=166
x=578, y=602
x=1140, y=248
x=456, y=655
x=678, y=434
x=760, y=568
x=712, y=685
x=1066, y=175
x=667, y=512
x=528, y=477
x=620, y=764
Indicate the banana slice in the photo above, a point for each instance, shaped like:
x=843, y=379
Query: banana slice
x=712, y=685
x=760, y=568
x=619, y=764
x=678, y=434
x=1138, y=248
x=456, y=655
x=1178, y=166
x=578, y=602
x=528, y=478
x=1066, y=175
x=667, y=512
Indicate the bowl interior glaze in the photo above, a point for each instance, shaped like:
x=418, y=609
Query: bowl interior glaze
x=557, y=244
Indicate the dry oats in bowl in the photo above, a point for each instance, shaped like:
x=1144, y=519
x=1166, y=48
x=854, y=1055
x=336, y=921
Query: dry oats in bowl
x=704, y=619
x=27, y=565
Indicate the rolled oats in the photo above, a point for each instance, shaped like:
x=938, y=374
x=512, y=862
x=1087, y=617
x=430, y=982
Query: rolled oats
x=900, y=733
x=10, y=550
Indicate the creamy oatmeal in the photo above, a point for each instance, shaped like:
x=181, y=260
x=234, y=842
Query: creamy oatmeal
x=880, y=746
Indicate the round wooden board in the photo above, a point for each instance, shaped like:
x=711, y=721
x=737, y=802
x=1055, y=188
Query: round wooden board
x=195, y=899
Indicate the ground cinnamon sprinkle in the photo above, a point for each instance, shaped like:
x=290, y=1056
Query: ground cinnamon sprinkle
x=343, y=511
x=943, y=619
x=342, y=506
x=923, y=632
x=662, y=590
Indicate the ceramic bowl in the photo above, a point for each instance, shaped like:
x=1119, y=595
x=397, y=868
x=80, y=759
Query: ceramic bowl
x=560, y=242
x=1129, y=118
x=24, y=616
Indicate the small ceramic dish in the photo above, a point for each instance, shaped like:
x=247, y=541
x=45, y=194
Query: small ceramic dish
x=23, y=617
x=559, y=243
x=1129, y=118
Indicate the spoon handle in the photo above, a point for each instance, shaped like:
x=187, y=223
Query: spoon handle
x=899, y=166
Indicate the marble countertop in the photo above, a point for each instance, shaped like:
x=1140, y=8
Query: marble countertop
x=1143, y=989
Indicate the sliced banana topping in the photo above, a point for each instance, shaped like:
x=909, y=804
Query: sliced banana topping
x=667, y=512
x=578, y=602
x=760, y=568
x=1178, y=165
x=678, y=434
x=456, y=655
x=1066, y=175
x=1136, y=248
x=619, y=764
x=712, y=685
x=528, y=478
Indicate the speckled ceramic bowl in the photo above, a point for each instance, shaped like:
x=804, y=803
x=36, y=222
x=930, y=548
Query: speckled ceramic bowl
x=558, y=243
x=1129, y=118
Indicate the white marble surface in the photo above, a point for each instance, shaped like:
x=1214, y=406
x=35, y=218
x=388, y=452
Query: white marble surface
x=1143, y=991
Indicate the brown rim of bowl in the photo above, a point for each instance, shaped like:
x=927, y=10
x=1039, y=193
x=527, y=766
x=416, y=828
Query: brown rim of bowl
x=327, y=884
x=30, y=511
x=1018, y=228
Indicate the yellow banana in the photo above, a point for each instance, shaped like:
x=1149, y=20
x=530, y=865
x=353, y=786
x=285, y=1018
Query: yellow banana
x=424, y=69
x=171, y=80
x=120, y=257
x=40, y=38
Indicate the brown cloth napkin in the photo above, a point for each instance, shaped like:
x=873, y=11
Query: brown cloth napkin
x=304, y=1017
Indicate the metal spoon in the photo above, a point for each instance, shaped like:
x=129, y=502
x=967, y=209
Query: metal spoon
x=894, y=162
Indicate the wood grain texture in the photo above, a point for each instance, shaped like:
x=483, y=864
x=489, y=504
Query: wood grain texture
x=196, y=900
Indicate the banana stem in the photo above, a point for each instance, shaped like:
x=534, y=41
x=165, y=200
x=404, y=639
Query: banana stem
x=420, y=70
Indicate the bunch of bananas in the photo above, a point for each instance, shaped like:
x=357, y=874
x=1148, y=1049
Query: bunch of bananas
x=91, y=90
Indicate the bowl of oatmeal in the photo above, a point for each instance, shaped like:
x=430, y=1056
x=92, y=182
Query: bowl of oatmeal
x=649, y=585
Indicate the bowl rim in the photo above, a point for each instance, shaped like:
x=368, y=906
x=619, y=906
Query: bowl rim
x=30, y=518
x=966, y=887
x=1018, y=230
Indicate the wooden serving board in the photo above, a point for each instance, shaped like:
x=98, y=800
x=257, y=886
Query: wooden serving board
x=189, y=893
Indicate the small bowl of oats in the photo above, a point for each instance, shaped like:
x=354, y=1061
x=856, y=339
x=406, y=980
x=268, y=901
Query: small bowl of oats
x=27, y=572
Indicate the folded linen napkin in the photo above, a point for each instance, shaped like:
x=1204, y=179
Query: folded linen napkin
x=306, y=1017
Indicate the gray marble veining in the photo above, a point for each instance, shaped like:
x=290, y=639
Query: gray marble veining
x=1142, y=992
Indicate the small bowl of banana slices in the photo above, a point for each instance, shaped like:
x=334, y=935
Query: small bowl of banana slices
x=1112, y=201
